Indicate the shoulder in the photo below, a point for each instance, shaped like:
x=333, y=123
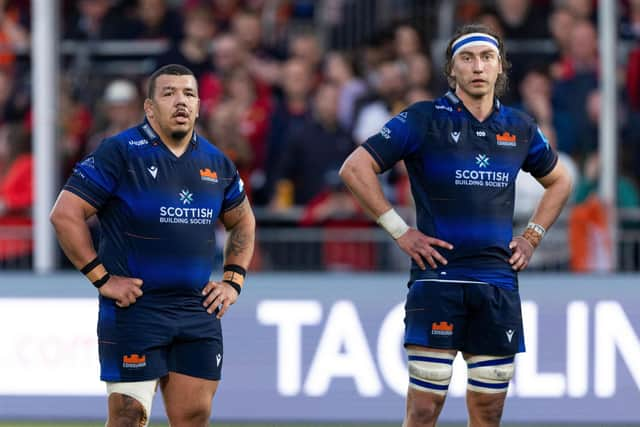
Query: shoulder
x=128, y=139
x=212, y=153
x=516, y=116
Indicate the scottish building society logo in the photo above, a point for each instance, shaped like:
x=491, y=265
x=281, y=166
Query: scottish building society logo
x=186, y=197
x=483, y=176
x=482, y=160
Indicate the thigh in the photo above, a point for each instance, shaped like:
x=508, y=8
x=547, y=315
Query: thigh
x=435, y=315
x=495, y=321
x=186, y=397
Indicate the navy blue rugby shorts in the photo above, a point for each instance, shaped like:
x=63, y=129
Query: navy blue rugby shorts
x=153, y=337
x=476, y=318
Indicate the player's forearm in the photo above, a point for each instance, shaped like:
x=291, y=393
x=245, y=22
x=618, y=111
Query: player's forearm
x=240, y=241
x=360, y=177
x=74, y=237
x=552, y=202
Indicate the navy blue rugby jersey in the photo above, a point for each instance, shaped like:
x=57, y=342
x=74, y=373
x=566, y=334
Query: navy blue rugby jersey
x=463, y=174
x=156, y=210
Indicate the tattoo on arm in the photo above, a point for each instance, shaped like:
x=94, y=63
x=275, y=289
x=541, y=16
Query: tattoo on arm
x=237, y=242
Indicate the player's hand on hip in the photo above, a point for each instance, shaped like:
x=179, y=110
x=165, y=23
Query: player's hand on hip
x=522, y=252
x=218, y=295
x=124, y=290
x=421, y=248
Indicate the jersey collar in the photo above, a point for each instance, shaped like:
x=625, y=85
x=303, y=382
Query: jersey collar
x=152, y=136
x=456, y=102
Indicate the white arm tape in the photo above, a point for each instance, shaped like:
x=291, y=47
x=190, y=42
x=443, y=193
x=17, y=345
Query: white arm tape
x=393, y=223
x=537, y=228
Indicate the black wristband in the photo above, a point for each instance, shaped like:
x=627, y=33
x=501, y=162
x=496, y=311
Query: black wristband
x=236, y=269
x=234, y=285
x=90, y=266
x=101, y=281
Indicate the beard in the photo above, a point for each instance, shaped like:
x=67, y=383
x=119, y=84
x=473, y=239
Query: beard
x=178, y=134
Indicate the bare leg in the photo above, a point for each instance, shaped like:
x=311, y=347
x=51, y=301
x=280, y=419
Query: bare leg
x=125, y=411
x=187, y=399
x=424, y=406
x=485, y=409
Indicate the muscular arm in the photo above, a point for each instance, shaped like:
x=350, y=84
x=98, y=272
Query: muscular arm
x=359, y=173
x=557, y=186
x=238, y=249
x=241, y=226
x=69, y=216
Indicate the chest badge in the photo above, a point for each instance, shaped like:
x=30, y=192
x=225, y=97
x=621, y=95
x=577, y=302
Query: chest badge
x=506, y=139
x=153, y=170
x=455, y=136
x=207, y=174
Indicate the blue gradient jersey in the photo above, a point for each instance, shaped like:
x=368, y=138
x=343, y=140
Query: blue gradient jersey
x=463, y=174
x=156, y=210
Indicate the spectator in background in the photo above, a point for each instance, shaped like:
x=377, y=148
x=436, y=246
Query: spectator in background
x=252, y=120
x=535, y=99
x=96, y=20
x=13, y=32
x=626, y=192
x=340, y=216
x=290, y=111
x=630, y=27
x=14, y=99
x=76, y=120
x=633, y=79
x=121, y=108
x=582, y=9
x=561, y=22
x=306, y=46
x=194, y=50
x=407, y=42
x=16, y=196
x=418, y=70
x=155, y=20
x=261, y=60
x=222, y=11
x=340, y=72
x=228, y=57
x=222, y=127
x=388, y=99
x=578, y=77
x=521, y=20
x=311, y=150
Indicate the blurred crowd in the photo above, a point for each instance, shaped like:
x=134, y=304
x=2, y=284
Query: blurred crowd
x=287, y=95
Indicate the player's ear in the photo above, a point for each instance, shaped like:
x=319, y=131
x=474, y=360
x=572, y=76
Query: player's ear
x=148, y=110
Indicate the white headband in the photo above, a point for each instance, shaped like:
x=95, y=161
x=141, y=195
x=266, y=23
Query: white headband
x=474, y=39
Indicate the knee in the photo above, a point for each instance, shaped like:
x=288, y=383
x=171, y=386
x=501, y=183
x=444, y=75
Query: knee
x=424, y=411
x=125, y=411
x=196, y=415
x=490, y=410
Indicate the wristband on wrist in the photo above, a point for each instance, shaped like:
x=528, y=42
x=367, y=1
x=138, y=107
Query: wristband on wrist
x=393, y=223
x=234, y=275
x=95, y=272
x=101, y=281
x=534, y=233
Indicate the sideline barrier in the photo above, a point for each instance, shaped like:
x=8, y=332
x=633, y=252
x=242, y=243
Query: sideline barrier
x=328, y=347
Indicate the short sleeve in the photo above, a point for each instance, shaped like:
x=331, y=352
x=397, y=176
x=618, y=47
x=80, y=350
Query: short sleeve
x=96, y=177
x=541, y=158
x=399, y=138
x=234, y=192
